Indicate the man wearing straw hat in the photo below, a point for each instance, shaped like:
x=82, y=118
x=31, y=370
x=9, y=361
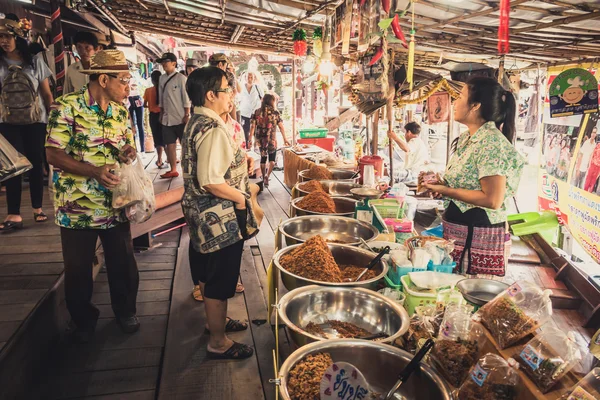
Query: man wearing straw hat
x=88, y=133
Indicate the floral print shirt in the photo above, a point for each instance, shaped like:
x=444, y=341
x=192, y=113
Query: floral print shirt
x=85, y=132
x=265, y=123
x=486, y=153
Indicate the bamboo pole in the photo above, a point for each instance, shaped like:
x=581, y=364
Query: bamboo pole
x=389, y=111
x=294, y=100
x=375, y=141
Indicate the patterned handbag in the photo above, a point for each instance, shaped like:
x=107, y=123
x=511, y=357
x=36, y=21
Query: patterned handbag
x=19, y=98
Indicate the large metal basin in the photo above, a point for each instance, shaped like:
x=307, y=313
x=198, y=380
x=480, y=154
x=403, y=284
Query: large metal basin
x=480, y=291
x=339, y=229
x=343, y=205
x=344, y=255
x=338, y=175
x=362, y=307
x=379, y=363
x=334, y=188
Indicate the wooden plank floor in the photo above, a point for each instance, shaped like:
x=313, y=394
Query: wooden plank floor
x=116, y=364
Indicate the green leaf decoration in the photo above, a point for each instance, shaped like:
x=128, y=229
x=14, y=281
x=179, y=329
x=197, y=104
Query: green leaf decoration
x=385, y=23
x=299, y=34
x=318, y=33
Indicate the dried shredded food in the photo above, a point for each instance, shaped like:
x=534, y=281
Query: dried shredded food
x=351, y=272
x=319, y=202
x=506, y=321
x=345, y=330
x=319, y=173
x=455, y=359
x=304, y=380
x=312, y=260
x=311, y=186
x=315, y=329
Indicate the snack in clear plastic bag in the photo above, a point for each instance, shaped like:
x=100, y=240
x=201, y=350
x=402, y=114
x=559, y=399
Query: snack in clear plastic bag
x=458, y=345
x=515, y=313
x=12, y=163
x=135, y=191
x=424, y=324
x=492, y=378
x=548, y=357
x=587, y=389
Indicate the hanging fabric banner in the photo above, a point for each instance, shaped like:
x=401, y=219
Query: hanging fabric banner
x=438, y=107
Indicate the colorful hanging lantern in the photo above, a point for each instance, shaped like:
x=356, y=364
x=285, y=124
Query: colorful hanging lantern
x=300, y=45
x=318, y=42
x=504, y=27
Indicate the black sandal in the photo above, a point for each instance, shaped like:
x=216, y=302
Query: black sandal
x=232, y=325
x=40, y=217
x=160, y=164
x=237, y=351
x=11, y=225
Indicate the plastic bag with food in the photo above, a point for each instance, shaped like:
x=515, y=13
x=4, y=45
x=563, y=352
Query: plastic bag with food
x=549, y=356
x=586, y=389
x=492, y=378
x=424, y=324
x=12, y=163
x=459, y=344
x=515, y=313
x=134, y=186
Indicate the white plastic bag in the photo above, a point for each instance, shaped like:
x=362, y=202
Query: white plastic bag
x=12, y=163
x=135, y=192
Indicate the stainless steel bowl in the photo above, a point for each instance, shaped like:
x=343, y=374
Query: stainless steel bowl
x=334, y=188
x=379, y=363
x=362, y=307
x=344, y=255
x=338, y=175
x=366, y=193
x=340, y=229
x=479, y=290
x=344, y=207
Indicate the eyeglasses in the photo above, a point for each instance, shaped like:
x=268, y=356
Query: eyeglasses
x=124, y=81
x=227, y=90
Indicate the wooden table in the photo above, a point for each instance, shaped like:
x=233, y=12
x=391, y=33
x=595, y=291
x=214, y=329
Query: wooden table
x=292, y=164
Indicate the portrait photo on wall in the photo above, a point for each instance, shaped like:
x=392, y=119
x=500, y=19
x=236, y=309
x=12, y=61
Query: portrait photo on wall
x=587, y=166
x=557, y=149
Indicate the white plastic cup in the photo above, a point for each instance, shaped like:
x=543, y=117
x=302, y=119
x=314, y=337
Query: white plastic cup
x=369, y=178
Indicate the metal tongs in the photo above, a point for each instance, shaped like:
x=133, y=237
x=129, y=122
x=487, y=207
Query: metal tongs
x=410, y=368
x=374, y=262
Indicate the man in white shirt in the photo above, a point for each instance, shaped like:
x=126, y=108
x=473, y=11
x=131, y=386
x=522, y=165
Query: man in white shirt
x=585, y=156
x=251, y=97
x=175, y=105
x=86, y=44
x=417, y=155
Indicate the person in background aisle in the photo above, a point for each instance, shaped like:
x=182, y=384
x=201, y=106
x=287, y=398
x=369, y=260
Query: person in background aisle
x=83, y=157
x=416, y=153
x=175, y=109
x=136, y=112
x=223, y=62
x=25, y=99
x=191, y=64
x=250, y=101
x=151, y=102
x=264, y=122
x=86, y=44
x=216, y=206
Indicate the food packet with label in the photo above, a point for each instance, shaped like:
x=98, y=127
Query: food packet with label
x=492, y=378
x=548, y=357
x=424, y=324
x=587, y=389
x=516, y=312
x=458, y=344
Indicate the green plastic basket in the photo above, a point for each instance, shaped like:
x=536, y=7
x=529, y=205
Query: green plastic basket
x=388, y=208
x=413, y=298
x=313, y=133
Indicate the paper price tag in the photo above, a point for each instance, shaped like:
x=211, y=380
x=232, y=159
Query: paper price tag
x=343, y=381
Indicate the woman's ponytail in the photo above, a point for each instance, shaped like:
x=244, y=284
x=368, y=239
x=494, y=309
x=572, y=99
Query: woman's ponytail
x=510, y=114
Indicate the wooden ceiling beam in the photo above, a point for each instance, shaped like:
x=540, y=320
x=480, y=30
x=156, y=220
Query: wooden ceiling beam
x=558, y=22
x=564, y=4
x=308, y=14
x=295, y=4
x=282, y=15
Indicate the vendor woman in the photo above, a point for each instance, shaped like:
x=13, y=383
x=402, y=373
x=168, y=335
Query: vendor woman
x=483, y=172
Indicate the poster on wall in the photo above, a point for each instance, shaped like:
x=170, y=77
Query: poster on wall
x=573, y=92
x=438, y=108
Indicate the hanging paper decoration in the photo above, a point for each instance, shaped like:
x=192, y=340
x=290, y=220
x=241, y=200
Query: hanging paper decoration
x=318, y=42
x=410, y=69
x=300, y=45
x=503, y=27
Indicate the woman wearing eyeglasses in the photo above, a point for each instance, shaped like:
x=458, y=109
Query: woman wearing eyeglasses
x=216, y=205
x=25, y=100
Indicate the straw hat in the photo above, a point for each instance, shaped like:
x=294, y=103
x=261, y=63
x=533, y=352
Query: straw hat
x=107, y=62
x=11, y=27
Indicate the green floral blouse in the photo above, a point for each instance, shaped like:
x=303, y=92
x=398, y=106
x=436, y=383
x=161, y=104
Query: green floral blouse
x=486, y=153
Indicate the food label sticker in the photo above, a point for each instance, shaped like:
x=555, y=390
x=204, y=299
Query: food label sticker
x=478, y=375
x=447, y=329
x=514, y=289
x=580, y=394
x=365, y=216
x=343, y=381
x=531, y=357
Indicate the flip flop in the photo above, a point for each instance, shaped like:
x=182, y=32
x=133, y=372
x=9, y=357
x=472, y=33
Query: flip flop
x=11, y=225
x=170, y=174
x=237, y=351
x=239, y=288
x=40, y=217
x=160, y=164
x=232, y=325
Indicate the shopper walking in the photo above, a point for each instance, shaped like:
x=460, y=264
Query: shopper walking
x=88, y=134
x=136, y=112
x=151, y=102
x=175, y=109
x=216, y=205
x=25, y=98
x=86, y=44
x=250, y=100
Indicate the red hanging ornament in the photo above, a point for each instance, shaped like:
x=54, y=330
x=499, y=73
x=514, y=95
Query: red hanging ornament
x=504, y=27
x=300, y=45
